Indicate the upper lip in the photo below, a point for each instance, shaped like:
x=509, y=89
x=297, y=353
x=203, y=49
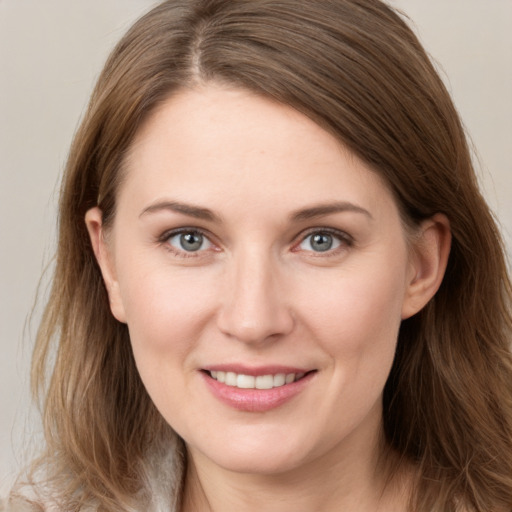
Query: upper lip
x=255, y=371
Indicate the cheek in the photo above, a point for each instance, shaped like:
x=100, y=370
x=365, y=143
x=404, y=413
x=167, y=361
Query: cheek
x=357, y=326
x=166, y=316
x=165, y=309
x=358, y=315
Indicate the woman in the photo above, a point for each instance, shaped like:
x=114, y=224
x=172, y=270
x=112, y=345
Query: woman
x=277, y=286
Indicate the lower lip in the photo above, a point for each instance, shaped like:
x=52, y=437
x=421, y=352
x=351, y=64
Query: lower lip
x=256, y=400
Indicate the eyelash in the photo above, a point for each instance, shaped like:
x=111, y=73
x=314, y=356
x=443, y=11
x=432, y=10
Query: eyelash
x=165, y=238
x=344, y=239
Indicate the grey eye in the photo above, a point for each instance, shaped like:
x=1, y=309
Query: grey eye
x=320, y=242
x=191, y=241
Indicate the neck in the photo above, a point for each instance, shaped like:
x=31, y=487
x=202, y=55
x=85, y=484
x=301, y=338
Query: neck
x=357, y=482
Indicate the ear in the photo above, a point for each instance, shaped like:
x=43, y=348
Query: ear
x=428, y=260
x=105, y=259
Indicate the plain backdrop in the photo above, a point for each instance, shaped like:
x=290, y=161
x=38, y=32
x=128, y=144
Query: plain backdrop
x=51, y=51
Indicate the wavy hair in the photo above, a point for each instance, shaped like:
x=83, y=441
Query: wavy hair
x=356, y=69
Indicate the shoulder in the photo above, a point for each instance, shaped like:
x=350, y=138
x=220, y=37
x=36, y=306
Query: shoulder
x=20, y=505
x=24, y=504
x=162, y=481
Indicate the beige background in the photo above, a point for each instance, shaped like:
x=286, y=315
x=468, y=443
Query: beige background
x=50, y=53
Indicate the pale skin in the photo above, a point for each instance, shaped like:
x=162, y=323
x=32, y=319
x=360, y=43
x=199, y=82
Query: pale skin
x=247, y=235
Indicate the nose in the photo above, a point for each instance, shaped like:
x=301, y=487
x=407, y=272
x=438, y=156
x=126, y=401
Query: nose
x=254, y=309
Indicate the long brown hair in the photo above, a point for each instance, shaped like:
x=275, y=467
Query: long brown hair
x=355, y=68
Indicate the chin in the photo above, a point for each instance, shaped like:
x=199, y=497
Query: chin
x=264, y=465
x=268, y=458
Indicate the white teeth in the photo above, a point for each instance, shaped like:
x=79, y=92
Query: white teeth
x=264, y=382
x=245, y=381
x=242, y=381
x=279, y=380
x=230, y=379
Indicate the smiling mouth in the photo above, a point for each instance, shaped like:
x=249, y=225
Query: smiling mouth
x=242, y=381
x=256, y=390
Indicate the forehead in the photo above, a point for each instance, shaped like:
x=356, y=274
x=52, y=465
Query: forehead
x=220, y=147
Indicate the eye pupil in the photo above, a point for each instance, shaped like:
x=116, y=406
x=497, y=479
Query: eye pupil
x=191, y=241
x=321, y=242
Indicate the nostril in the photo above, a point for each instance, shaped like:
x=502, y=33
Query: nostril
x=256, y=324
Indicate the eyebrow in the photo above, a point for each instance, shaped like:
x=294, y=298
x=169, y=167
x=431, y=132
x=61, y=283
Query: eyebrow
x=328, y=209
x=300, y=215
x=186, y=209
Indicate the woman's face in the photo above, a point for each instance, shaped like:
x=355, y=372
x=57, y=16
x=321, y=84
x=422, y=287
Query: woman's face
x=250, y=250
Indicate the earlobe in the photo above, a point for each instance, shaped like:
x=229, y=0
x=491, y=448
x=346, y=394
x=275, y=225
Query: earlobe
x=429, y=258
x=104, y=257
